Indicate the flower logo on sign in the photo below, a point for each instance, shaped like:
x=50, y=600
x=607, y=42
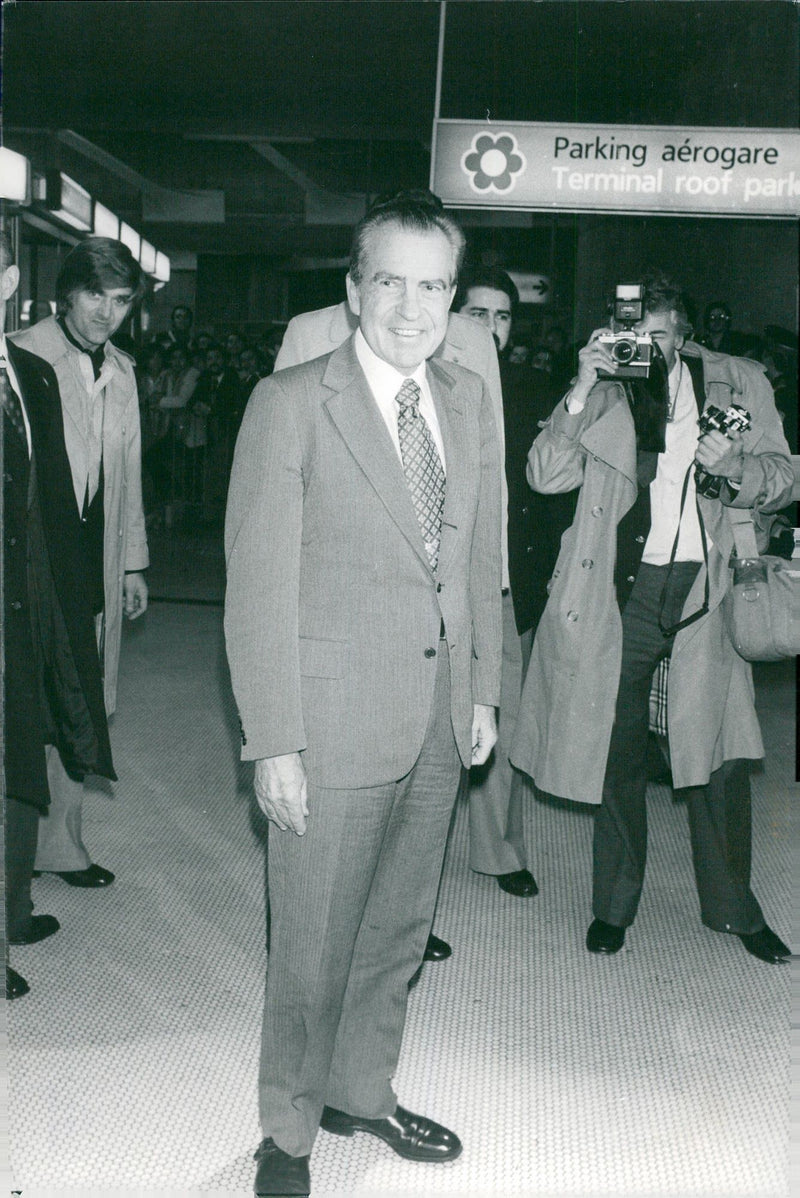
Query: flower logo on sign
x=493, y=162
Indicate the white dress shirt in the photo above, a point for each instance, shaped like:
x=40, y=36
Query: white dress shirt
x=682, y=434
x=385, y=382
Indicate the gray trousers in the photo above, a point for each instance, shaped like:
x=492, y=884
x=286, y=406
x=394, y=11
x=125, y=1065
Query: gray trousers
x=497, y=792
x=719, y=813
x=351, y=906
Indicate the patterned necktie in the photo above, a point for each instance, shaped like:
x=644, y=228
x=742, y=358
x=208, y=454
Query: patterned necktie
x=10, y=402
x=422, y=466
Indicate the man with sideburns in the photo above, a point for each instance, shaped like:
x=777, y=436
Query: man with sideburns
x=363, y=633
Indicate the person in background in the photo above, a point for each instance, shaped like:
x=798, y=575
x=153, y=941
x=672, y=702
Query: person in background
x=535, y=524
x=180, y=330
x=779, y=355
x=97, y=287
x=53, y=692
x=234, y=344
x=250, y=372
x=519, y=353
x=561, y=366
x=643, y=574
x=150, y=368
x=220, y=390
x=362, y=624
x=718, y=333
x=179, y=468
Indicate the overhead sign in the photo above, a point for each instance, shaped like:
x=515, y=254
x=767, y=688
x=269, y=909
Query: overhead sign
x=532, y=289
x=617, y=168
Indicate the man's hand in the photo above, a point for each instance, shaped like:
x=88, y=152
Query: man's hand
x=484, y=733
x=134, y=595
x=592, y=359
x=282, y=791
x=721, y=455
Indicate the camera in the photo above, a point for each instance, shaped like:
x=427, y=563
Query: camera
x=732, y=420
x=631, y=351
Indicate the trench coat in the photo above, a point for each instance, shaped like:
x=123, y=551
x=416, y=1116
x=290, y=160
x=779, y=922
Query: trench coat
x=124, y=537
x=567, y=709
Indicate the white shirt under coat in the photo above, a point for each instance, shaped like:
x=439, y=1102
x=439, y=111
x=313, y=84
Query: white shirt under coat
x=385, y=382
x=681, y=437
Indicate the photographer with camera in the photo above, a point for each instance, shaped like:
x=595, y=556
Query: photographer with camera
x=642, y=574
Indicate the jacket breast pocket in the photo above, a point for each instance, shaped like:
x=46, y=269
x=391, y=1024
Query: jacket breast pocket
x=321, y=658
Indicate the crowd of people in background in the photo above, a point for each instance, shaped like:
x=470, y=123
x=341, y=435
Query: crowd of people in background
x=194, y=387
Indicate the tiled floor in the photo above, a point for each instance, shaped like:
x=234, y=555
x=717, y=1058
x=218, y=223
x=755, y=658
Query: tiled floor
x=662, y=1071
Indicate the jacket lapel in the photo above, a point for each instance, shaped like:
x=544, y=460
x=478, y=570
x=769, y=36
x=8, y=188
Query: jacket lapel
x=611, y=437
x=355, y=414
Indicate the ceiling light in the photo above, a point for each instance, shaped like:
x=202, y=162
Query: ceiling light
x=70, y=202
x=15, y=176
x=106, y=224
x=130, y=238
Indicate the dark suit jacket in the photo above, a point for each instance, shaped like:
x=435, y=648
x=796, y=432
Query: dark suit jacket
x=53, y=682
x=332, y=613
x=535, y=522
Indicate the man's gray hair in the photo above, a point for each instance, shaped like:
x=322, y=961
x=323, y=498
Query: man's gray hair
x=418, y=210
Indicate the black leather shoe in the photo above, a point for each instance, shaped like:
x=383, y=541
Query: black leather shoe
x=279, y=1173
x=765, y=945
x=41, y=926
x=16, y=986
x=436, y=949
x=604, y=937
x=91, y=877
x=412, y=1136
x=521, y=883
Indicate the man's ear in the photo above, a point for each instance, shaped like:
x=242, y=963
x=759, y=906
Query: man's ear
x=9, y=281
x=353, y=296
x=680, y=340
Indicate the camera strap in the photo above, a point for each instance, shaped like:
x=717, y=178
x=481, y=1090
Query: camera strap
x=670, y=630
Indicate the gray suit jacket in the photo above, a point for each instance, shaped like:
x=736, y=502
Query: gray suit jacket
x=332, y=610
x=467, y=342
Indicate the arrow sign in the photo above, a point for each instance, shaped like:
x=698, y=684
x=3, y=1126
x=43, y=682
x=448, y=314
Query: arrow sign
x=533, y=288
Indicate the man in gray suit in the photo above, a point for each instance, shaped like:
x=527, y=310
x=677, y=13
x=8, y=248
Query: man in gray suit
x=363, y=633
x=496, y=841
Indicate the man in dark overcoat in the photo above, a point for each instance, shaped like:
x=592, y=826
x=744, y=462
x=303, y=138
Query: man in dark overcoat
x=53, y=687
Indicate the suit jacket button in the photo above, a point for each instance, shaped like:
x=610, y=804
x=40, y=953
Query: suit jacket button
x=639, y=540
x=525, y=511
x=572, y=616
x=631, y=578
x=587, y=563
x=16, y=605
x=430, y=652
x=597, y=510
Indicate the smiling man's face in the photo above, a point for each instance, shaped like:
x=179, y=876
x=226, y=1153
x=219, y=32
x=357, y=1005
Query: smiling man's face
x=404, y=294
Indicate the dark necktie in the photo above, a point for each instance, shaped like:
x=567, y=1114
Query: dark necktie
x=10, y=401
x=422, y=466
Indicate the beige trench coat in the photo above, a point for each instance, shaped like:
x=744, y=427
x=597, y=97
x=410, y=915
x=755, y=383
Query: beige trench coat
x=567, y=709
x=124, y=537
